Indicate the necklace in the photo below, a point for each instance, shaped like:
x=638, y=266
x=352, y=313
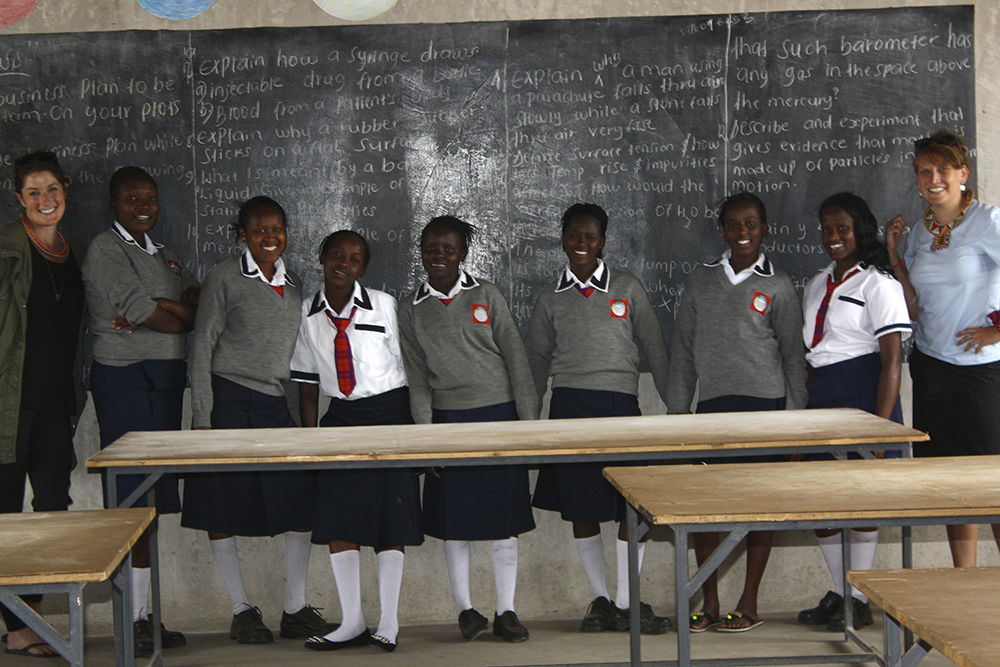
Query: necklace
x=59, y=290
x=942, y=233
x=38, y=244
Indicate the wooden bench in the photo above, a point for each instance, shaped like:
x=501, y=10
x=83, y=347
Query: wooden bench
x=62, y=552
x=737, y=499
x=955, y=611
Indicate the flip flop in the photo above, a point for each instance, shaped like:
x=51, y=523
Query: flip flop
x=754, y=622
x=713, y=622
x=26, y=651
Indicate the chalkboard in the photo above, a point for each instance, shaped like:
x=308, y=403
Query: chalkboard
x=505, y=124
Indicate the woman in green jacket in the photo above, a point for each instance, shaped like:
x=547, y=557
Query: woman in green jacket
x=41, y=356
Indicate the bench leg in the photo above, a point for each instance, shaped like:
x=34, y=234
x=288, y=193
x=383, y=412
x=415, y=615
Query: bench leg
x=121, y=599
x=72, y=649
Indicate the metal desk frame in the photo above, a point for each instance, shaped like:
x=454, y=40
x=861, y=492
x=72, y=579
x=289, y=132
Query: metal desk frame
x=688, y=586
x=155, y=472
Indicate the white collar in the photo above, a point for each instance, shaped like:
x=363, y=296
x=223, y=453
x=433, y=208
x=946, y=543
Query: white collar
x=127, y=239
x=465, y=281
x=361, y=299
x=761, y=267
x=250, y=269
x=599, y=279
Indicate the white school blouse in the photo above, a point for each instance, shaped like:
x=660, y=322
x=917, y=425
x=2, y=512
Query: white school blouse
x=865, y=307
x=374, y=337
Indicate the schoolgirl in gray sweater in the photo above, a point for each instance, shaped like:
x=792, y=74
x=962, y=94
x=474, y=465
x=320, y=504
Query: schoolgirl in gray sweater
x=738, y=341
x=586, y=331
x=248, y=320
x=465, y=362
x=142, y=304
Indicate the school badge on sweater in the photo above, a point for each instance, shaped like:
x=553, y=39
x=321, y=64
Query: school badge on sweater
x=480, y=313
x=619, y=308
x=760, y=302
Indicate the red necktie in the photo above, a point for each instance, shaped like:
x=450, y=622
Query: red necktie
x=831, y=285
x=342, y=353
x=585, y=291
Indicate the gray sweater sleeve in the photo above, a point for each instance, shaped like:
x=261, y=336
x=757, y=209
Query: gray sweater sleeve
x=540, y=343
x=209, y=325
x=508, y=339
x=415, y=363
x=683, y=377
x=787, y=320
x=650, y=336
x=108, y=269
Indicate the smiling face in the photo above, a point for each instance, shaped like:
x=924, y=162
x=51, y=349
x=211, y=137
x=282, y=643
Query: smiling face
x=264, y=235
x=137, y=207
x=940, y=184
x=837, y=231
x=43, y=198
x=343, y=263
x=744, y=231
x=582, y=242
x=442, y=250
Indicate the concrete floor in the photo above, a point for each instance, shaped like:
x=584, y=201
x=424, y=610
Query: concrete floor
x=551, y=643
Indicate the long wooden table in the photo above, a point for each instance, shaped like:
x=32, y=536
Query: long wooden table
x=736, y=499
x=954, y=611
x=62, y=552
x=612, y=440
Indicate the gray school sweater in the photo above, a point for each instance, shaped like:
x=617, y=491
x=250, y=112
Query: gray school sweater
x=589, y=343
x=122, y=279
x=468, y=354
x=741, y=339
x=244, y=332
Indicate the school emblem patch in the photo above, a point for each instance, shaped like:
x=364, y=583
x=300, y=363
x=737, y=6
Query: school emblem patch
x=619, y=308
x=480, y=313
x=174, y=266
x=760, y=302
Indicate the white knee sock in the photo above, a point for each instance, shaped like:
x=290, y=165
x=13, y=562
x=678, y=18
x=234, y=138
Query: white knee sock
x=622, y=595
x=297, y=549
x=390, y=580
x=140, y=591
x=863, y=545
x=591, y=550
x=347, y=573
x=505, y=572
x=228, y=562
x=831, y=548
x=458, y=558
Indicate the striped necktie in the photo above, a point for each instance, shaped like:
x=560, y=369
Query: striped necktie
x=831, y=285
x=342, y=353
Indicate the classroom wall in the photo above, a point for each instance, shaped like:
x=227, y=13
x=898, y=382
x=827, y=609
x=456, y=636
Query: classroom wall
x=551, y=582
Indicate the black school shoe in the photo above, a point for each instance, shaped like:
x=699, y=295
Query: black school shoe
x=248, y=628
x=508, y=626
x=472, y=624
x=306, y=622
x=824, y=611
x=649, y=623
x=862, y=616
x=142, y=633
x=600, y=616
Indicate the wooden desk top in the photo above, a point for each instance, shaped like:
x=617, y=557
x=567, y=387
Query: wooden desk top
x=953, y=610
x=812, y=491
x=61, y=547
x=662, y=433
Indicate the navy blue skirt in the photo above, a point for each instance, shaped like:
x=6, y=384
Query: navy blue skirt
x=477, y=502
x=144, y=396
x=579, y=491
x=851, y=384
x=251, y=504
x=379, y=507
x=738, y=403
